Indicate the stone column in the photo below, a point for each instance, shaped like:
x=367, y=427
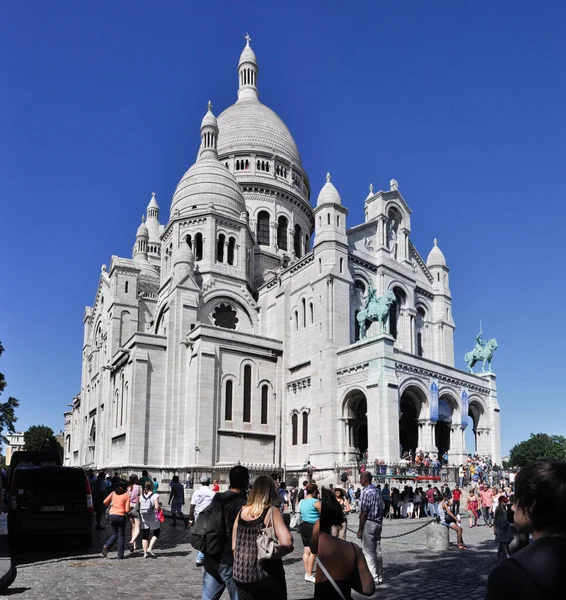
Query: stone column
x=273, y=236
x=426, y=436
x=456, y=453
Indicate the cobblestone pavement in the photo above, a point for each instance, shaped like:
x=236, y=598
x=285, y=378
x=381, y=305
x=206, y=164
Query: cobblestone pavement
x=61, y=570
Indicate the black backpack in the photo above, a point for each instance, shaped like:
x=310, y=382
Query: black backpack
x=209, y=531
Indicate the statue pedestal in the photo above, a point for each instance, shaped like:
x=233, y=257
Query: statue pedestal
x=437, y=537
x=487, y=375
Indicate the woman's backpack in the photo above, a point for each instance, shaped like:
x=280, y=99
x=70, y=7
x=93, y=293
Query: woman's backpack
x=146, y=504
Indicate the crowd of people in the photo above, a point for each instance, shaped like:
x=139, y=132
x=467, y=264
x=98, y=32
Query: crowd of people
x=242, y=534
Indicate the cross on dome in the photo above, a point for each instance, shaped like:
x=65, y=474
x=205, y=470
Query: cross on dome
x=248, y=39
x=143, y=218
x=328, y=177
x=209, y=106
x=371, y=188
x=435, y=242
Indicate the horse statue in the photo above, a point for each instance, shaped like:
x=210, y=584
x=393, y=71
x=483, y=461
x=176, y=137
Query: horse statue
x=483, y=351
x=376, y=309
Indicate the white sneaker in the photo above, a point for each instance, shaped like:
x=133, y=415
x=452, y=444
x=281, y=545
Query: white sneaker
x=310, y=578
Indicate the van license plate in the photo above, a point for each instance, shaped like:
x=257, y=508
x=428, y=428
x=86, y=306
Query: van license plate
x=52, y=508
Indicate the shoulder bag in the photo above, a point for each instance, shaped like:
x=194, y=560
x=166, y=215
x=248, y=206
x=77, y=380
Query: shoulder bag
x=268, y=546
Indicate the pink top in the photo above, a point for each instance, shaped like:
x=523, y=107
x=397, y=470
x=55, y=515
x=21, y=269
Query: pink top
x=486, y=497
x=134, y=493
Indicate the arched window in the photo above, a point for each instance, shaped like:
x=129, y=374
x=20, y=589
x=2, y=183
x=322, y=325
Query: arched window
x=294, y=429
x=231, y=247
x=258, y=165
x=305, y=427
x=247, y=394
x=356, y=328
x=282, y=226
x=304, y=303
x=337, y=220
x=296, y=320
x=124, y=327
x=395, y=311
x=328, y=218
x=220, y=248
x=267, y=167
x=189, y=241
x=264, y=401
x=307, y=243
x=198, y=246
x=228, y=400
x=341, y=265
x=297, y=241
x=247, y=165
x=419, y=326
x=126, y=287
x=262, y=234
x=312, y=312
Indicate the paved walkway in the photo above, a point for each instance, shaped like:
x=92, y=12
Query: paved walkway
x=62, y=572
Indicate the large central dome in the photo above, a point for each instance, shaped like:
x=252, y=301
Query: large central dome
x=250, y=125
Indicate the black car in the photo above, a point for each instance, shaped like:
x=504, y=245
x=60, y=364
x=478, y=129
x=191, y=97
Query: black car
x=50, y=501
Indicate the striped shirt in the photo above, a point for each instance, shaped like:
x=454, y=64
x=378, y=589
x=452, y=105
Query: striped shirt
x=371, y=503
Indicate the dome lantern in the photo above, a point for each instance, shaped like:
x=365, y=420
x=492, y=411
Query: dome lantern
x=247, y=72
x=209, y=134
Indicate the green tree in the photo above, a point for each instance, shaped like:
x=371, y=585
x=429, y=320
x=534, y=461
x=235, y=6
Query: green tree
x=40, y=438
x=7, y=409
x=539, y=445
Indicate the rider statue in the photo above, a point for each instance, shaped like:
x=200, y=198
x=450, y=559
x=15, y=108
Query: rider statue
x=480, y=344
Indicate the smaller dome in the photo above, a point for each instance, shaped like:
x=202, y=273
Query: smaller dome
x=153, y=202
x=209, y=120
x=184, y=254
x=208, y=181
x=142, y=229
x=435, y=257
x=328, y=194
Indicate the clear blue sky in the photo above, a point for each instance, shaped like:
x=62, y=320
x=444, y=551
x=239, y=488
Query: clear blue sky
x=462, y=102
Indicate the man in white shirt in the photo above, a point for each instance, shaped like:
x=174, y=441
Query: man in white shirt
x=200, y=500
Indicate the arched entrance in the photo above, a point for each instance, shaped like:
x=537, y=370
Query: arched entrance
x=355, y=408
x=443, y=426
x=410, y=405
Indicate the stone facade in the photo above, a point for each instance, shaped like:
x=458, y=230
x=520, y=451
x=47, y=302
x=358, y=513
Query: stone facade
x=227, y=338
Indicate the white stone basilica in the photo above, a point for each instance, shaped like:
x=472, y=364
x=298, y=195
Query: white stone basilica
x=230, y=336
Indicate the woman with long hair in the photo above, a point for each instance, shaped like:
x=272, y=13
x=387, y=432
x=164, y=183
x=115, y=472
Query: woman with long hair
x=119, y=508
x=448, y=519
x=150, y=524
x=134, y=492
x=340, y=530
x=257, y=579
x=310, y=513
x=342, y=561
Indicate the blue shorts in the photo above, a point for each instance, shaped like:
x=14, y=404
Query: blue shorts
x=446, y=524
